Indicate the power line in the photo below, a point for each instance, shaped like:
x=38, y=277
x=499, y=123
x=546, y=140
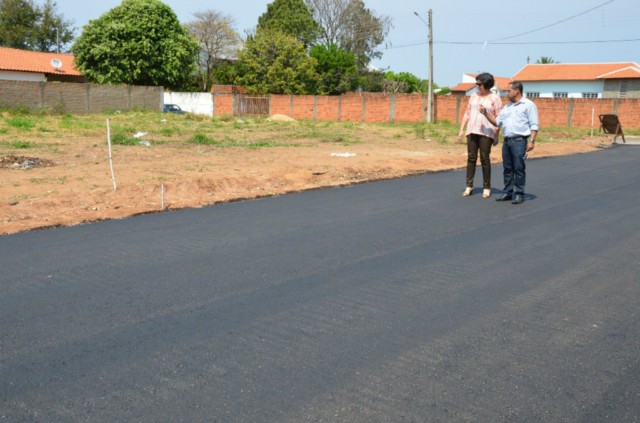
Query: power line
x=515, y=43
x=555, y=23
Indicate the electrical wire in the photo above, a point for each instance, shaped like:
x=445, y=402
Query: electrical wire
x=514, y=43
x=553, y=24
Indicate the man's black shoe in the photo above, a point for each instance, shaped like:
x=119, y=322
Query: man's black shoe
x=518, y=199
x=504, y=197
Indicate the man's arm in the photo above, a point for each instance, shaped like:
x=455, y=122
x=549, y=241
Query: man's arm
x=534, y=124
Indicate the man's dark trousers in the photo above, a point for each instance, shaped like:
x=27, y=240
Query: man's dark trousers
x=513, y=155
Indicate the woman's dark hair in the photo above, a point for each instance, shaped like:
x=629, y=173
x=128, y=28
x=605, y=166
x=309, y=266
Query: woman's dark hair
x=486, y=79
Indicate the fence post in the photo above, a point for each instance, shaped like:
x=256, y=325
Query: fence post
x=87, y=98
x=615, y=106
x=570, y=112
x=340, y=108
x=42, y=86
x=315, y=107
x=234, y=102
x=364, y=107
x=291, y=105
x=392, y=108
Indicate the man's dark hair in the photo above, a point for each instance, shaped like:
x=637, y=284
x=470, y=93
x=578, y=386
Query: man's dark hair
x=517, y=86
x=486, y=79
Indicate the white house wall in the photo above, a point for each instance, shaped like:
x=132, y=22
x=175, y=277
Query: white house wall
x=573, y=88
x=198, y=103
x=23, y=76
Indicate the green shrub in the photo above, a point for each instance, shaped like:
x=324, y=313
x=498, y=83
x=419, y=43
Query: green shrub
x=202, y=139
x=23, y=123
x=123, y=139
x=21, y=145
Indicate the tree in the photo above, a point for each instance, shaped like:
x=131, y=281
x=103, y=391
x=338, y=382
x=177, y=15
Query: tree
x=140, y=42
x=291, y=17
x=18, y=20
x=353, y=27
x=219, y=42
x=403, y=82
x=371, y=80
x=28, y=26
x=53, y=30
x=337, y=69
x=544, y=60
x=276, y=63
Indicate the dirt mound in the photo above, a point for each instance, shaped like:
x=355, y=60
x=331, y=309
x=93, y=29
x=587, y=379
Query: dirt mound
x=22, y=162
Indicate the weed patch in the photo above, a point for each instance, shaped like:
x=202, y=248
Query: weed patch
x=23, y=123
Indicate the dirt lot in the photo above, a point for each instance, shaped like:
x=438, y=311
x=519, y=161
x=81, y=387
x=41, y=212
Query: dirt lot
x=71, y=183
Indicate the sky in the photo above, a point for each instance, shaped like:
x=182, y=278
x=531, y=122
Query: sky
x=495, y=36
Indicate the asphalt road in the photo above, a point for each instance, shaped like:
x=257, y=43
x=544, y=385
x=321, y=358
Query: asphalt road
x=397, y=301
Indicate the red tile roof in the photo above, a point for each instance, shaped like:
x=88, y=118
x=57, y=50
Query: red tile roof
x=464, y=86
x=578, y=71
x=12, y=59
x=501, y=84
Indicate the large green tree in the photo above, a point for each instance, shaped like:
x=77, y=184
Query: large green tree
x=140, y=42
x=28, y=26
x=291, y=17
x=273, y=62
x=53, y=31
x=18, y=23
x=353, y=27
x=337, y=69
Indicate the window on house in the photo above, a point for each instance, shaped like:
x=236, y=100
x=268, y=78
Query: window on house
x=589, y=95
x=623, y=89
x=533, y=95
x=560, y=95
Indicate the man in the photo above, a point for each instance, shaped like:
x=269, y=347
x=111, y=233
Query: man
x=519, y=123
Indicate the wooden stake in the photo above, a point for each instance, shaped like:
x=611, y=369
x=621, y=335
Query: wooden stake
x=113, y=175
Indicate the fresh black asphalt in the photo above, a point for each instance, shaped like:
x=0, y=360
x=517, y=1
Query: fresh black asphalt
x=396, y=301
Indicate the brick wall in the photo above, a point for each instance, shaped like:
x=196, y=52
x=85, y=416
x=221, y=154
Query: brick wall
x=378, y=107
x=79, y=98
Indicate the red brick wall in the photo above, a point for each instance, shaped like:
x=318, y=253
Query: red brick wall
x=222, y=105
x=280, y=105
x=378, y=107
x=410, y=108
x=303, y=107
x=327, y=108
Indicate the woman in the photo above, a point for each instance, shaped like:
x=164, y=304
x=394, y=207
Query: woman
x=481, y=134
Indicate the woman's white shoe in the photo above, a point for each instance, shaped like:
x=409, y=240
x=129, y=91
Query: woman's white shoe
x=486, y=193
x=467, y=192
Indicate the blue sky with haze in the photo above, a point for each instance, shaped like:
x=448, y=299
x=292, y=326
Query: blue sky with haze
x=569, y=32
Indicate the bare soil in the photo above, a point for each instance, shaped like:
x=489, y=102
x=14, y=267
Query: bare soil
x=72, y=184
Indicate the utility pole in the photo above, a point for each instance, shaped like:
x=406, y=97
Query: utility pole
x=430, y=91
x=430, y=100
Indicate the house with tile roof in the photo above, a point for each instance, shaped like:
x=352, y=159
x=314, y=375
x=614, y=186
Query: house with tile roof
x=581, y=80
x=25, y=65
x=468, y=85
